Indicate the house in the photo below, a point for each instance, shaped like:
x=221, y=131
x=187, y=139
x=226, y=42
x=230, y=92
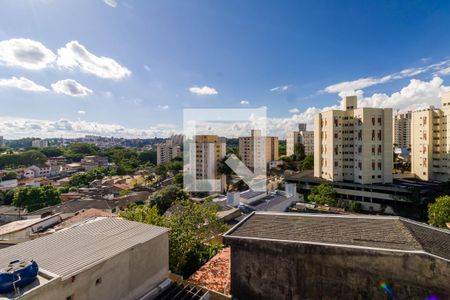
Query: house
x=8, y=184
x=90, y=162
x=104, y=259
x=9, y=213
x=324, y=256
x=23, y=230
x=37, y=171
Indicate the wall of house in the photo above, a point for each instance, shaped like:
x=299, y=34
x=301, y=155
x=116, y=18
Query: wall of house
x=276, y=270
x=126, y=276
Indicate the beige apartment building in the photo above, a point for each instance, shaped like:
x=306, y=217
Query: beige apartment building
x=354, y=145
x=209, y=150
x=257, y=151
x=167, y=151
x=302, y=136
x=402, y=130
x=429, y=134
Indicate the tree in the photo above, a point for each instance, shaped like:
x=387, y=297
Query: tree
x=323, y=194
x=191, y=226
x=10, y=175
x=51, y=151
x=168, y=195
x=34, y=198
x=178, y=179
x=6, y=197
x=148, y=157
x=307, y=163
x=439, y=212
x=299, y=152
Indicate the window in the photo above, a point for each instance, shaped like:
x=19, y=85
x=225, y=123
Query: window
x=373, y=121
x=379, y=120
x=98, y=281
x=71, y=297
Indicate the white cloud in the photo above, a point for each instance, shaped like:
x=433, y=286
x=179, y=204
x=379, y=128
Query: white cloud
x=21, y=127
x=204, y=90
x=81, y=112
x=71, y=88
x=361, y=83
x=112, y=3
x=245, y=102
x=445, y=71
x=163, y=107
x=147, y=68
x=25, y=53
x=76, y=56
x=281, y=88
x=294, y=110
x=22, y=83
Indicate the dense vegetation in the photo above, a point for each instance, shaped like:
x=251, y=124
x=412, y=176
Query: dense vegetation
x=191, y=225
x=439, y=212
x=34, y=198
x=26, y=158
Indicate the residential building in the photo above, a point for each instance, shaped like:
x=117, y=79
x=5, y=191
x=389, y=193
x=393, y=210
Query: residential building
x=300, y=137
x=37, y=171
x=325, y=256
x=402, y=130
x=106, y=258
x=167, y=151
x=257, y=151
x=354, y=144
x=177, y=139
x=91, y=161
x=209, y=150
x=39, y=143
x=24, y=230
x=430, y=151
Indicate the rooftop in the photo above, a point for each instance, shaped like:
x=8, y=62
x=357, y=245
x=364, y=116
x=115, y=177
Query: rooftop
x=215, y=274
x=21, y=224
x=66, y=253
x=370, y=232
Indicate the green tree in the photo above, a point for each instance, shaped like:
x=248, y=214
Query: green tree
x=307, y=163
x=6, y=197
x=439, y=212
x=148, y=157
x=323, y=194
x=34, y=198
x=178, y=179
x=191, y=226
x=10, y=175
x=167, y=196
x=299, y=152
x=51, y=151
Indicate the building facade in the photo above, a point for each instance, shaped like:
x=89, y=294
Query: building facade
x=167, y=151
x=39, y=144
x=402, y=130
x=429, y=138
x=354, y=144
x=303, y=137
x=257, y=151
x=209, y=150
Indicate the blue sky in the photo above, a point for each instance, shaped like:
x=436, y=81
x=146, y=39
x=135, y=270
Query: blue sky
x=150, y=59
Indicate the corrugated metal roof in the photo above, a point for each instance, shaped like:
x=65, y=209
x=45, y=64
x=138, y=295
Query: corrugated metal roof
x=68, y=252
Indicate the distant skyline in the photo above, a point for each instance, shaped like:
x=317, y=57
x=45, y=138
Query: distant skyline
x=129, y=68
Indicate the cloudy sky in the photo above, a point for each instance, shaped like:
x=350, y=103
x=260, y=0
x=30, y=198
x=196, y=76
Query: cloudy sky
x=129, y=68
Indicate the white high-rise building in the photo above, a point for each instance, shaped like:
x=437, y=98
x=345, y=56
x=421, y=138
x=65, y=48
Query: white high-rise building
x=303, y=137
x=257, y=151
x=39, y=143
x=430, y=133
x=402, y=130
x=209, y=150
x=354, y=144
x=166, y=152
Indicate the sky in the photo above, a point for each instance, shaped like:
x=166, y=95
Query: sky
x=128, y=68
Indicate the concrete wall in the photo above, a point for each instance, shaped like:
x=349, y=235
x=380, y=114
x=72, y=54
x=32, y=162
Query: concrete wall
x=276, y=270
x=126, y=276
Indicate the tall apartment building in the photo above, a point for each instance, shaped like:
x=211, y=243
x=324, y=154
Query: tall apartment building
x=402, y=130
x=354, y=144
x=302, y=136
x=39, y=143
x=256, y=151
x=429, y=137
x=209, y=150
x=177, y=139
x=167, y=151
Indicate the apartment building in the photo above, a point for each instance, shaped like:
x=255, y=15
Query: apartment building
x=257, y=151
x=429, y=135
x=303, y=137
x=354, y=145
x=402, y=129
x=209, y=150
x=39, y=143
x=167, y=151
